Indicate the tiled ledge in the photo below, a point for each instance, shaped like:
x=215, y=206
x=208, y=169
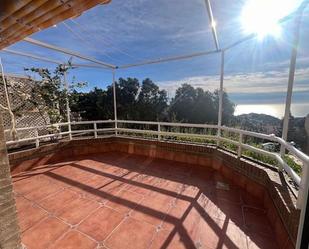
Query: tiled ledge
x=263, y=182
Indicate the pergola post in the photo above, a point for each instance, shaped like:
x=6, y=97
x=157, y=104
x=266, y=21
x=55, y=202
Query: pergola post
x=10, y=232
x=115, y=101
x=288, y=99
x=220, y=98
x=302, y=236
x=67, y=103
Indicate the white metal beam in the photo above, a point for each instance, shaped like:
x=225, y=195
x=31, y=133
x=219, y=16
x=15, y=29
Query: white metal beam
x=28, y=55
x=175, y=58
x=247, y=38
x=36, y=57
x=88, y=66
x=69, y=52
x=212, y=23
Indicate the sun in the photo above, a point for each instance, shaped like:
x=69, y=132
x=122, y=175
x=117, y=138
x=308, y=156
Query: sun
x=262, y=17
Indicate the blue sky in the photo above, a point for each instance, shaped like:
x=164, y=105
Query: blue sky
x=131, y=31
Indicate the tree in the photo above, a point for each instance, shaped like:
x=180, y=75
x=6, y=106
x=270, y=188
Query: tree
x=195, y=105
x=228, y=107
x=126, y=91
x=90, y=106
x=151, y=102
x=49, y=95
x=146, y=101
x=183, y=103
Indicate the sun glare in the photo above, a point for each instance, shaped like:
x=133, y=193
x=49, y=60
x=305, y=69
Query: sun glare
x=262, y=16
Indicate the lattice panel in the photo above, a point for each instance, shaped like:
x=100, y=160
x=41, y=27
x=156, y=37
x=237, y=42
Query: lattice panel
x=29, y=116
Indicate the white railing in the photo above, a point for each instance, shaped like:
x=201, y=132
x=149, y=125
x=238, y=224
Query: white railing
x=166, y=131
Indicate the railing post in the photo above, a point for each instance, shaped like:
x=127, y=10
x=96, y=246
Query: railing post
x=70, y=130
x=239, y=152
x=116, y=127
x=159, y=131
x=37, y=140
x=95, y=130
x=302, y=203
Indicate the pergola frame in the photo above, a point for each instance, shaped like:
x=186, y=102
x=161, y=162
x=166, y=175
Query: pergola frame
x=297, y=15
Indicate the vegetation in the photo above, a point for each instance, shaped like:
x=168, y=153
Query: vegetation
x=47, y=95
x=146, y=101
x=295, y=166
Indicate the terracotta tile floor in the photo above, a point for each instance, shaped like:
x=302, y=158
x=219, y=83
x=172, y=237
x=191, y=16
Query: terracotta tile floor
x=124, y=201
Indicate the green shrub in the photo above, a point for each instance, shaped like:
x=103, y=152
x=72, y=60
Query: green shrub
x=295, y=166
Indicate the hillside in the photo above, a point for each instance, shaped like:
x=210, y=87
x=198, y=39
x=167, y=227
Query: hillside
x=258, y=122
x=271, y=125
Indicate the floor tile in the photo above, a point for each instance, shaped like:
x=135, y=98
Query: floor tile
x=171, y=186
x=106, y=191
x=78, y=209
x=58, y=200
x=220, y=209
x=74, y=240
x=29, y=215
x=131, y=234
x=176, y=214
x=22, y=203
x=169, y=240
x=124, y=201
x=233, y=236
x=44, y=234
x=175, y=206
x=144, y=184
x=43, y=191
x=153, y=209
x=29, y=184
x=101, y=223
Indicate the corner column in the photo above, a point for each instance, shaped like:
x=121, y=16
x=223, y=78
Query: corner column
x=288, y=100
x=115, y=101
x=9, y=228
x=220, y=98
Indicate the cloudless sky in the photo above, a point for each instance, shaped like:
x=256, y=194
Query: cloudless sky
x=124, y=32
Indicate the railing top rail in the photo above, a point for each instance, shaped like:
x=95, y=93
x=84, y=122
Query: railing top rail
x=302, y=156
x=189, y=125
x=168, y=124
x=137, y=122
x=92, y=122
x=38, y=127
x=270, y=137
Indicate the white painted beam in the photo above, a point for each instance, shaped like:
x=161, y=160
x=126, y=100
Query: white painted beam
x=69, y=52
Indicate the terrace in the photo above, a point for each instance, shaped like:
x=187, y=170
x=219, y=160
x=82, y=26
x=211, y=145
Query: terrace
x=143, y=184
